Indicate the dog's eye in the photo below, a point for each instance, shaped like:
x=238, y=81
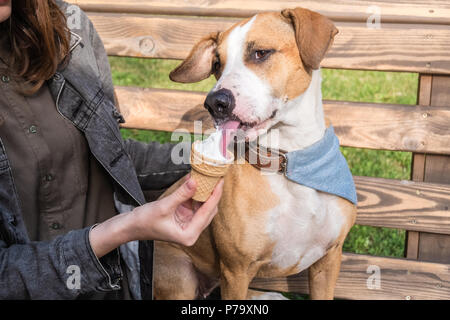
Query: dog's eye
x=260, y=55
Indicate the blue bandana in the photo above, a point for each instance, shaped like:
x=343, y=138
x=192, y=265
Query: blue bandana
x=322, y=167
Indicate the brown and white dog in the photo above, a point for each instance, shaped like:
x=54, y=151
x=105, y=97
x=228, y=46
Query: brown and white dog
x=268, y=75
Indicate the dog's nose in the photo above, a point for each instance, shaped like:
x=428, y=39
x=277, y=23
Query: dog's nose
x=220, y=103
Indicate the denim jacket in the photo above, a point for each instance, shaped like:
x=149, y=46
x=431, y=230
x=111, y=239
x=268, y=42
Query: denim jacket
x=84, y=94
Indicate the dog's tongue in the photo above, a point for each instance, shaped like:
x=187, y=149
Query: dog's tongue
x=229, y=129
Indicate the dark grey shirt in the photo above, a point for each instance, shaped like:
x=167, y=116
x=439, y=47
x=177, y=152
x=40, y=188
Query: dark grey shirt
x=61, y=186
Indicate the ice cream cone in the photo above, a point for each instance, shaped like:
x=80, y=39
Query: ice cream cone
x=207, y=172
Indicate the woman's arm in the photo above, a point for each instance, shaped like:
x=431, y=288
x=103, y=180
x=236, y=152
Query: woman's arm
x=154, y=166
x=175, y=218
x=64, y=268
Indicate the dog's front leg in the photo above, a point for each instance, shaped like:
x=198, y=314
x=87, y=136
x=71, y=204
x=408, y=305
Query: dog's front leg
x=324, y=273
x=235, y=280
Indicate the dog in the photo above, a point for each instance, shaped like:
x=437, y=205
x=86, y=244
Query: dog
x=268, y=77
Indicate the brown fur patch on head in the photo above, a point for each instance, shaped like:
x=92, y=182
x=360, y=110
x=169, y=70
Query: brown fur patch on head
x=283, y=69
x=314, y=34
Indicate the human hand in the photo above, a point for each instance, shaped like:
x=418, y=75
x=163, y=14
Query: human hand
x=177, y=218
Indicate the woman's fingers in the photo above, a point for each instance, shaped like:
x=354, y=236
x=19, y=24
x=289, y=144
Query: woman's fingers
x=204, y=215
x=185, y=192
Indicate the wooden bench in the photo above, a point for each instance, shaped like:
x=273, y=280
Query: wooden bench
x=414, y=37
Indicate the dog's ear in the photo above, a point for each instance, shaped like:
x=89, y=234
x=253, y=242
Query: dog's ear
x=314, y=34
x=198, y=65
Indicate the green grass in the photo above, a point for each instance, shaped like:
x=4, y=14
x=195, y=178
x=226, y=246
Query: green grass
x=151, y=73
x=370, y=86
x=348, y=85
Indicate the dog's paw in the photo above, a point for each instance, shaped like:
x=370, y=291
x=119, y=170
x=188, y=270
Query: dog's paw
x=267, y=296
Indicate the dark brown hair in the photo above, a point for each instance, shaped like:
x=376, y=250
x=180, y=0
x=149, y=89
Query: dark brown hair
x=39, y=39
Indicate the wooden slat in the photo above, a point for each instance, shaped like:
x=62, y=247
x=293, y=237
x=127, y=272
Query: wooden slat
x=400, y=279
x=391, y=127
x=412, y=245
x=418, y=11
x=394, y=47
x=424, y=92
x=403, y=205
x=364, y=125
x=412, y=237
x=418, y=165
x=161, y=109
x=436, y=247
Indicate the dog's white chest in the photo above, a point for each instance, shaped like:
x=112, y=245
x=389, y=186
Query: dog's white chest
x=303, y=225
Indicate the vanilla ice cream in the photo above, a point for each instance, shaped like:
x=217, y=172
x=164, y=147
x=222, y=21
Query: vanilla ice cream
x=213, y=148
x=209, y=164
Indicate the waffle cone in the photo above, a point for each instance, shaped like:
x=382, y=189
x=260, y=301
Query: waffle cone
x=206, y=172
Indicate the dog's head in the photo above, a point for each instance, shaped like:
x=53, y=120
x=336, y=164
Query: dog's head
x=260, y=63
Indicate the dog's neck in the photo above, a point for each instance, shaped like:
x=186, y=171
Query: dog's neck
x=301, y=120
